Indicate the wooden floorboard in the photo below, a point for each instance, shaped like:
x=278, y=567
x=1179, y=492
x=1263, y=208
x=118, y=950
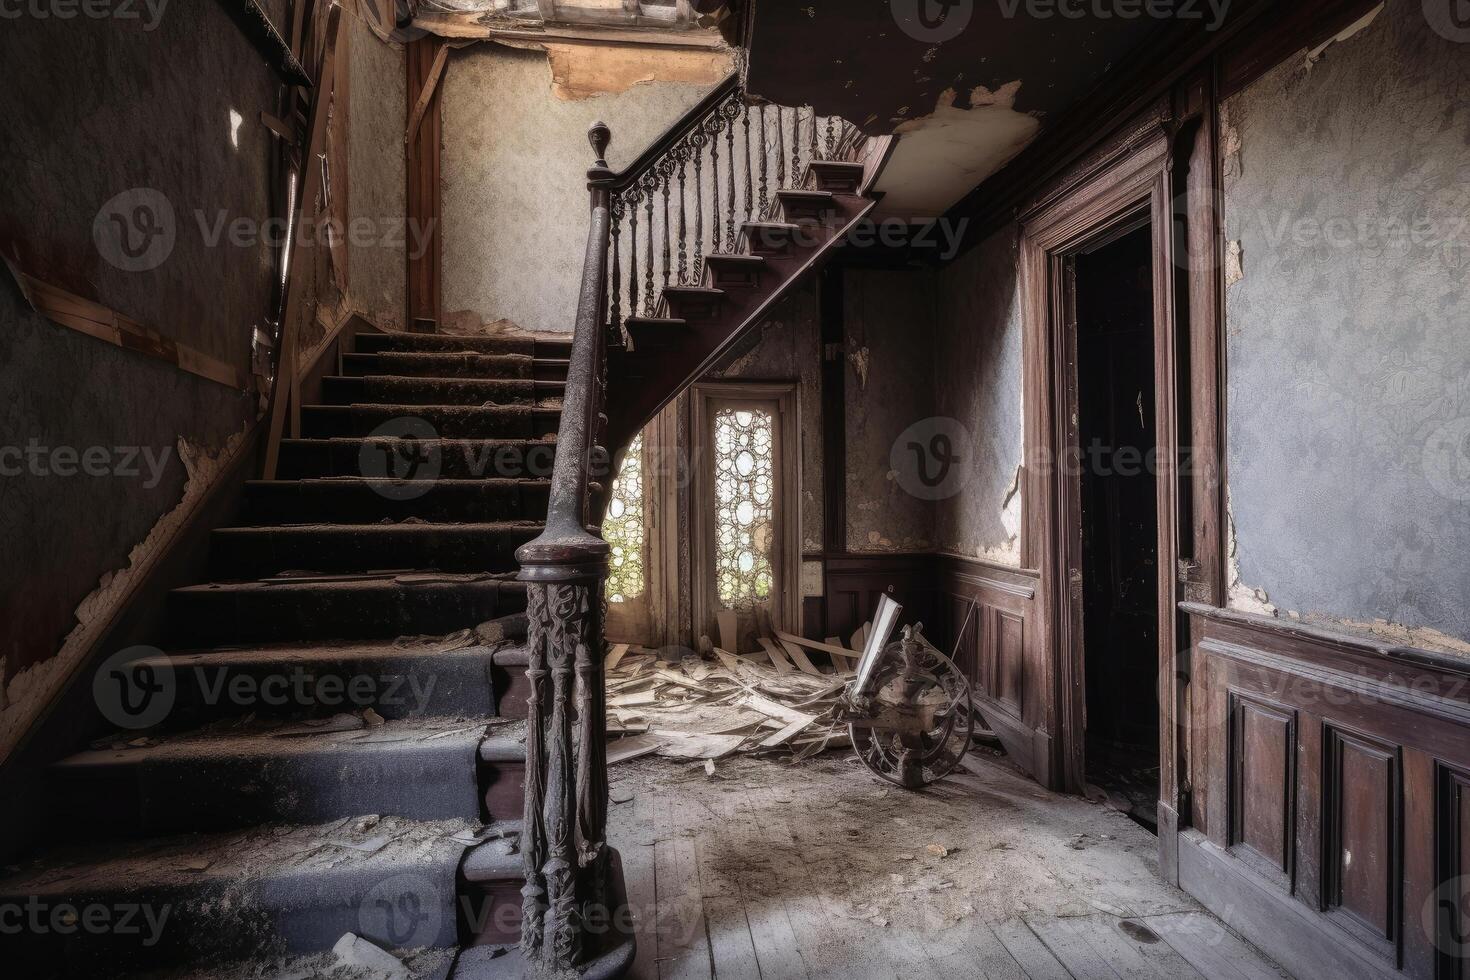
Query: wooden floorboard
x=1212, y=949
x=764, y=871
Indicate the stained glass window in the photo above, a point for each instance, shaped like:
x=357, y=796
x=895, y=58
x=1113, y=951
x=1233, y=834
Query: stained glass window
x=744, y=505
x=623, y=528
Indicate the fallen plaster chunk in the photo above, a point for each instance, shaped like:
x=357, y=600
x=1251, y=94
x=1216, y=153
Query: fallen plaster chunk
x=355, y=953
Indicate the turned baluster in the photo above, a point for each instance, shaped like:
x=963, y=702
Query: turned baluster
x=714, y=162
x=765, y=157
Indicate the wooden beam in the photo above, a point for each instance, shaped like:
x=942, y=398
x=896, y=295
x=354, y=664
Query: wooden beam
x=66, y=309
x=422, y=286
x=431, y=85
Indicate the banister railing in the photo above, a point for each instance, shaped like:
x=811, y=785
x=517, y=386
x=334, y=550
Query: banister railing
x=563, y=832
x=689, y=194
x=564, y=849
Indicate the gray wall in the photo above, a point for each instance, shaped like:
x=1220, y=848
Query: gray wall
x=378, y=116
x=1348, y=189
x=978, y=384
x=515, y=159
x=889, y=353
x=107, y=106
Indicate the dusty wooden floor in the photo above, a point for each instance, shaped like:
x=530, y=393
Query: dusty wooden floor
x=770, y=871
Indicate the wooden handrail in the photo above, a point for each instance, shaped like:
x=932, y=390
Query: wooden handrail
x=566, y=541
x=656, y=150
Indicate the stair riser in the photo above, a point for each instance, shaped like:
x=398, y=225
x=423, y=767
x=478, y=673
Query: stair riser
x=511, y=460
x=206, y=688
x=273, y=614
x=472, y=366
x=377, y=343
x=358, y=503
x=730, y=278
x=434, y=391
x=428, y=422
x=262, y=554
x=805, y=210
x=835, y=183
x=692, y=307
x=297, y=912
x=429, y=781
x=490, y=913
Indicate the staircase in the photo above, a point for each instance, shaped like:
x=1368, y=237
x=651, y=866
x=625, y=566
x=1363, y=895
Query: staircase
x=376, y=574
x=382, y=714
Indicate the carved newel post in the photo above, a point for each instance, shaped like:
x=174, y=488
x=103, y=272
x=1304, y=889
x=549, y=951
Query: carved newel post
x=563, y=837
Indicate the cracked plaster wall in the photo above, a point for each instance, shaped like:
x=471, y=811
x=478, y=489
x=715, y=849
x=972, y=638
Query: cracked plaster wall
x=1346, y=200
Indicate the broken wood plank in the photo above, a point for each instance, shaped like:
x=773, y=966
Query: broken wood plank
x=633, y=700
x=799, y=658
x=615, y=655
x=779, y=660
x=775, y=709
x=426, y=94
x=623, y=749
x=828, y=647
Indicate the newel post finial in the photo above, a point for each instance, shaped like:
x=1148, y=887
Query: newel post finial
x=600, y=136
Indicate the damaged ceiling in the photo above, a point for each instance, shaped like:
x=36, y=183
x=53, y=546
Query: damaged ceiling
x=966, y=91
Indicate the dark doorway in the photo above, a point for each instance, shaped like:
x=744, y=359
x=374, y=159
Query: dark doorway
x=1119, y=516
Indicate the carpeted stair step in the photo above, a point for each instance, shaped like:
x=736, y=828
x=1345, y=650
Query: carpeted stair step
x=473, y=674
x=450, y=364
x=341, y=390
x=543, y=346
x=349, y=500
x=457, y=459
x=236, y=775
x=346, y=608
x=211, y=899
x=429, y=421
x=260, y=552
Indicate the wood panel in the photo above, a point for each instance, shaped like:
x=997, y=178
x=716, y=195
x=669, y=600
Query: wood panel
x=1361, y=873
x=1262, y=785
x=1331, y=785
x=989, y=615
x=854, y=583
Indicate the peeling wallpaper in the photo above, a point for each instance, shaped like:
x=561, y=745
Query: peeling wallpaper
x=1346, y=201
x=978, y=383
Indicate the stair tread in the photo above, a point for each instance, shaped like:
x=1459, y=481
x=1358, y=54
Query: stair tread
x=365, y=580
x=347, y=481
x=693, y=291
x=276, y=738
x=510, y=653
x=735, y=258
x=809, y=194
x=232, y=857
x=382, y=530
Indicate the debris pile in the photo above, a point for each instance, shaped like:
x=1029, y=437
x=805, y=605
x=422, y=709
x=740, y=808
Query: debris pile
x=779, y=701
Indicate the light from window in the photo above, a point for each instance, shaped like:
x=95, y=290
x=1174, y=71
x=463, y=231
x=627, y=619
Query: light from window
x=744, y=505
x=623, y=528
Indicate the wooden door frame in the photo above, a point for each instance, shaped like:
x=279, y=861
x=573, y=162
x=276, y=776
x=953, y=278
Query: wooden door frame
x=786, y=395
x=1135, y=180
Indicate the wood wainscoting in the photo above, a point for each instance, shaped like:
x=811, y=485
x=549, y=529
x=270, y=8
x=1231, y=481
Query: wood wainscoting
x=1330, y=801
x=990, y=611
